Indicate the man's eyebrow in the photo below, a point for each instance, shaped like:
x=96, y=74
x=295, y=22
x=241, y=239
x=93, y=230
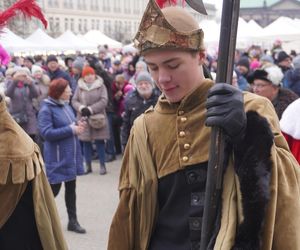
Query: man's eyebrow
x=164, y=62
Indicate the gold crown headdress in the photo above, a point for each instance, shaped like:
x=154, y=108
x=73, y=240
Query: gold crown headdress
x=169, y=28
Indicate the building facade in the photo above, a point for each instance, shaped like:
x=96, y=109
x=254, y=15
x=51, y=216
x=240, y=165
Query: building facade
x=265, y=12
x=118, y=19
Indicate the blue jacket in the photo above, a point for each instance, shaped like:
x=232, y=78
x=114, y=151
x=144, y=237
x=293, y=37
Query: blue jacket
x=292, y=80
x=62, y=152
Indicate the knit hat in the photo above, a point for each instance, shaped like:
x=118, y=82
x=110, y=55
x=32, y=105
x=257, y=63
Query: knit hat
x=244, y=61
x=281, y=56
x=78, y=63
x=21, y=71
x=144, y=76
x=51, y=58
x=35, y=69
x=296, y=62
x=271, y=74
x=267, y=58
x=87, y=71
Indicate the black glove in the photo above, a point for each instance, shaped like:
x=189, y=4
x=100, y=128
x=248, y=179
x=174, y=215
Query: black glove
x=85, y=112
x=225, y=109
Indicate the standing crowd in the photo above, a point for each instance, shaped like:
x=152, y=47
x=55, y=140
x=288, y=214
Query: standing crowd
x=77, y=110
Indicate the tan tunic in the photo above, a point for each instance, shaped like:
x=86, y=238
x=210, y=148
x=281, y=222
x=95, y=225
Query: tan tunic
x=157, y=148
x=20, y=162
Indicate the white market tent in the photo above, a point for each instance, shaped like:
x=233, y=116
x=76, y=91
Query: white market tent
x=284, y=28
x=45, y=42
x=98, y=38
x=76, y=43
x=15, y=44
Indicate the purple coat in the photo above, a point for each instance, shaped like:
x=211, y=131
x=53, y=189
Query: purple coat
x=15, y=90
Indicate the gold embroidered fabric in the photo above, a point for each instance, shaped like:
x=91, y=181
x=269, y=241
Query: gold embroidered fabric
x=156, y=31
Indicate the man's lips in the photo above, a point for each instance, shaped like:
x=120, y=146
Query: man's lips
x=169, y=89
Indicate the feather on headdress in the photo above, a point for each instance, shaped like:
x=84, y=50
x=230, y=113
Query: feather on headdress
x=162, y=3
x=29, y=8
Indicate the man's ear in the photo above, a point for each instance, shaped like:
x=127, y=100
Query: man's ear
x=201, y=57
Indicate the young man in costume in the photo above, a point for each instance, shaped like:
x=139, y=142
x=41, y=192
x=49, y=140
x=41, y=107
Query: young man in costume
x=164, y=170
x=28, y=215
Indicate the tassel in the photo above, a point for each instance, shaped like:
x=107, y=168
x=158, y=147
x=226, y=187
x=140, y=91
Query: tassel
x=29, y=8
x=162, y=3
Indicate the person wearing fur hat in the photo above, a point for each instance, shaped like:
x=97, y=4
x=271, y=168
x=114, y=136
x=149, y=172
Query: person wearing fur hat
x=22, y=90
x=267, y=82
x=90, y=99
x=164, y=168
x=137, y=102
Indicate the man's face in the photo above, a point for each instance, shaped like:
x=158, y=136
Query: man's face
x=52, y=66
x=144, y=88
x=286, y=62
x=176, y=73
x=264, y=88
x=27, y=63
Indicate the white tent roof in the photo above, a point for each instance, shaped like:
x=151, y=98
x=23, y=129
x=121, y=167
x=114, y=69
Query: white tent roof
x=13, y=43
x=283, y=28
x=46, y=43
x=97, y=37
x=74, y=42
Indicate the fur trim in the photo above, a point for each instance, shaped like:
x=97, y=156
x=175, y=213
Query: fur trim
x=253, y=166
x=290, y=120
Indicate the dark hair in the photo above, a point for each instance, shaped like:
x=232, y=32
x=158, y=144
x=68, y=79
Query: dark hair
x=57, y=87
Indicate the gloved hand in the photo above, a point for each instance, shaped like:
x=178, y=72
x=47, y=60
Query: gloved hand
x=225, y=109
x=85, y=112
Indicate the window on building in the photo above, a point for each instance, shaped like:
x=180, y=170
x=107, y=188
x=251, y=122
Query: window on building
x=80, y=25
x=50, y=3
x=57, y=25
x=72, y=24
x=71, y=4
x=85, y=28
x=93, y=24
x=66, y=24
x=96, y=5
x=51, y=24
x=98, y=25
x=56, y=4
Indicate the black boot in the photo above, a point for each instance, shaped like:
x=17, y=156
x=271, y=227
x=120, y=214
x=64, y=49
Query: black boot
x=88, y=168
x=70, y=198
x=102, y=169
x=74, y=226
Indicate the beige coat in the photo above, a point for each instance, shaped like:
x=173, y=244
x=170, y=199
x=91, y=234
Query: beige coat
x=154, y=151
x=95, y=98
x=21, y=162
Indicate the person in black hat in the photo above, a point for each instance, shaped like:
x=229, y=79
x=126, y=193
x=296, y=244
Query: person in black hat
x=28, y=62
x=243, y=66
x=284, y=61
x=54, y=71
x=69, y=62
